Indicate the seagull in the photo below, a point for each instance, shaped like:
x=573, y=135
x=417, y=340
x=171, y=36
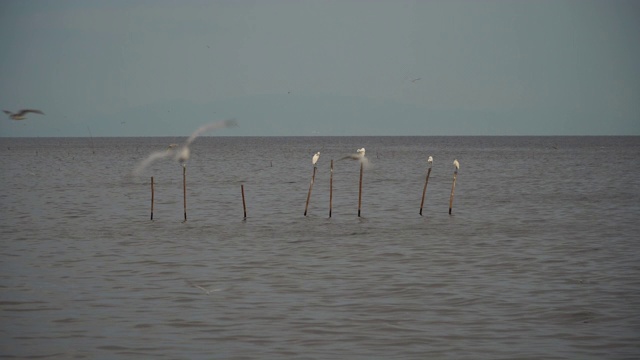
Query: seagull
x=20, y=115
x=315, y=158
x=359, y=155
x=430, y=160
x=456, y=164
x=206, y=291
x=183, y=155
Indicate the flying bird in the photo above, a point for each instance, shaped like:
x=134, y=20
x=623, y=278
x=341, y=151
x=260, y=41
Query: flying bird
x=359, y=155
x=430, y=160
x=416, y=79
x=20, y=115
x=206, y=291
x=181, y=153
x=456, y=164
x=315, y=158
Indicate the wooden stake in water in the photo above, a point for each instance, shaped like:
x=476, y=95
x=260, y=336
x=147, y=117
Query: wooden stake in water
x=244, y=205
x=314, y=160
x=453, y=187
x=424, y=191
x=184, y=190
x=152, y=198
x=331, y=189
x=313, y=177
x=360, y=188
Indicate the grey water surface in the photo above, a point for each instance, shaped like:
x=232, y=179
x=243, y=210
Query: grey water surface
x=540, y=258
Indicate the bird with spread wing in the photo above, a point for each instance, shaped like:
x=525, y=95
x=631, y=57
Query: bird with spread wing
x=21, y=115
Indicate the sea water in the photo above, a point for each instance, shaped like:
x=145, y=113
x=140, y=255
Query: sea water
x=540, y=257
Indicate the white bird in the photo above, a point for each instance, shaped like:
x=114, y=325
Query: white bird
x=182, y=153
x=359, y=155
x=206, y=291
x=430, y=160
x=456, y=164
x=315, y=158
x=20, y=115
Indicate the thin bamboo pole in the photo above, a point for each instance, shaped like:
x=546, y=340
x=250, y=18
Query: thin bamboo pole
x=453, y=188
x=152, y=196
x=313, y=177
x=360, y=188
x=331, y=189
x=424, y=191
x=244, y=205
x=184, y=190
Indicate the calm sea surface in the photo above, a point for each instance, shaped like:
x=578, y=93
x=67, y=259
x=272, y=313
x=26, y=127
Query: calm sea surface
x=540, y=258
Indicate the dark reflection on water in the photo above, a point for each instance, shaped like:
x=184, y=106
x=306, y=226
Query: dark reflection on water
x=539, y=260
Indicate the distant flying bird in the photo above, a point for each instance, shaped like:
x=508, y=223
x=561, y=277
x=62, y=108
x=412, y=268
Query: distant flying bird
x=20, y=115
x=456, y=164
x=315, y=158
x=416, y=79
x=430, y=160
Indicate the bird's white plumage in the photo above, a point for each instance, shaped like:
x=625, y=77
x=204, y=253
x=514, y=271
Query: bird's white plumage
x=315, y=158
x=359, y=155
x=456, y=164
x=183, y=155
x=430, y=160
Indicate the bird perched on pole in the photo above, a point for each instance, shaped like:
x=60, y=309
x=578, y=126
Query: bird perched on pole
x=315, y=158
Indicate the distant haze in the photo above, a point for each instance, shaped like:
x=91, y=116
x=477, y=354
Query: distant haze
x=163, y=68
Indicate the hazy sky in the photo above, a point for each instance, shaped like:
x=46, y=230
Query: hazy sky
x=136, y=68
